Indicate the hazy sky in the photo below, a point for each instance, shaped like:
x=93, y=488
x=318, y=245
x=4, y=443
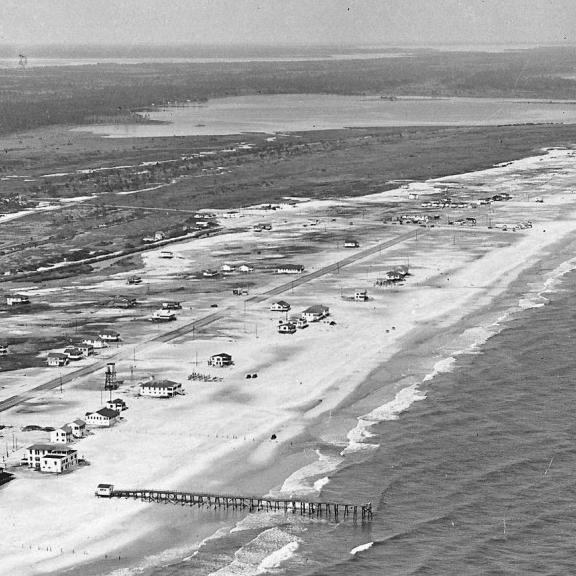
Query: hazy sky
x=27, y=22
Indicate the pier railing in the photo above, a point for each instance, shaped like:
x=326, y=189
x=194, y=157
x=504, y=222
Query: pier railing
x=316, y=509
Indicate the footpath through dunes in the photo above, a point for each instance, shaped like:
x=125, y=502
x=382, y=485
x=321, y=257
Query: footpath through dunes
x=209, y=319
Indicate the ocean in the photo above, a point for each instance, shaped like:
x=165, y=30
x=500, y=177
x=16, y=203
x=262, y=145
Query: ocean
x=469, y=472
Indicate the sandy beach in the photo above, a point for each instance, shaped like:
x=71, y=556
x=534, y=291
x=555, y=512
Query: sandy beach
x=314, y=388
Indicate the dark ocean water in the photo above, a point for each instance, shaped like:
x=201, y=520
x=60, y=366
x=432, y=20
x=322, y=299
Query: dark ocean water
x=476, y=479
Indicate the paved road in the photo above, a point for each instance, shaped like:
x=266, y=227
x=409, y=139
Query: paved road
x=213, y=317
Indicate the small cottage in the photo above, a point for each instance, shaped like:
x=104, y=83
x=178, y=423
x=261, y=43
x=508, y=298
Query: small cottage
x=159, y=236
x=122, y=301
x=117, y=405
x=361, y=295
x=105, y=417
x=208, y=273
x=351, y=243
x=315, y=313
x=109, y=336
x=287, y=328
x=62, y=435
x=78, y=428
x=163, y=316
x=171, y=305
x=73, y=353
x=57, y=359
x=227, y=268
x=166, y=254
x=245, y=268
x=160, y=388
x=134, y=280
x=17, y=300
x=220, y=360
x=280, y=306
x=3, y=350
x=104, y=490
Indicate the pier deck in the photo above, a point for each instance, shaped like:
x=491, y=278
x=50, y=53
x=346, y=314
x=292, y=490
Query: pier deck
x=315, y=509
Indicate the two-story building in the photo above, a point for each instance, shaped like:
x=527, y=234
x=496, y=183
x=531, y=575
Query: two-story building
x=62, y=435
x=104, y=418
x=50, y=458
x=78, y=428
x=160, y=388
x=220, y=360
x=117, y=404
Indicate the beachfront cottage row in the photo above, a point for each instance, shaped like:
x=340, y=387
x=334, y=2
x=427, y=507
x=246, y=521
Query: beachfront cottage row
x=105, y=417
x=315, y=313
x=160, y=388
x=52, y=458
x=290, y=269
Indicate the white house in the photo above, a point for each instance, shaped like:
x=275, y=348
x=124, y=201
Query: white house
x=301, y=323
x=246, y=268
x=208, y=273
x=166, y=254
x=287, y=328
x=78, y=428
x=62, y=435
x=58, y=463
x=103, y=417
x=109, y=336
x=171, y=305
x=280, y=306
x=95, y=342
x=227, y=268
x=57, y=359
x=73, y=353
x=159, y=236
x=315, y=313
x=351, y=243
x=62, y=457
x=163, y=316
x=118, y=405
x=361, y=295
x=290, y=269
x=17, y=300
x=104, y=490
x=160, y=388
x=86, y=349
x=220, y=360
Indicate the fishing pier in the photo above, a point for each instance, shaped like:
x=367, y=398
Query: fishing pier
x=330, y=510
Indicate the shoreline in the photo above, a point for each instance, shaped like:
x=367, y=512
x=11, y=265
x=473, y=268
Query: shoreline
x=424, y=297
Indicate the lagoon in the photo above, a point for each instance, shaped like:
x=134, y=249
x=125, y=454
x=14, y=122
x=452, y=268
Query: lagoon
x=305, y=112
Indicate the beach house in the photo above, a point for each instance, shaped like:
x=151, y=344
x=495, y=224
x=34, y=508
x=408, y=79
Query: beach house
x=220, y=360
x=163, y=316
x=109, y=335
x=57, y=359
x=95, y=342
x=73, y=353
x=287, y=328
x=17, y=300
x=280, y=306
x=118, y=405
x=105, y=417
x=361, y=295
x=50, y=457
x=78, y=428
x=315, y=313
x=349, y=243
x=160, y=388
x=227, y=268
x=171, y=305
x=246, y=268
x=62, y=435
